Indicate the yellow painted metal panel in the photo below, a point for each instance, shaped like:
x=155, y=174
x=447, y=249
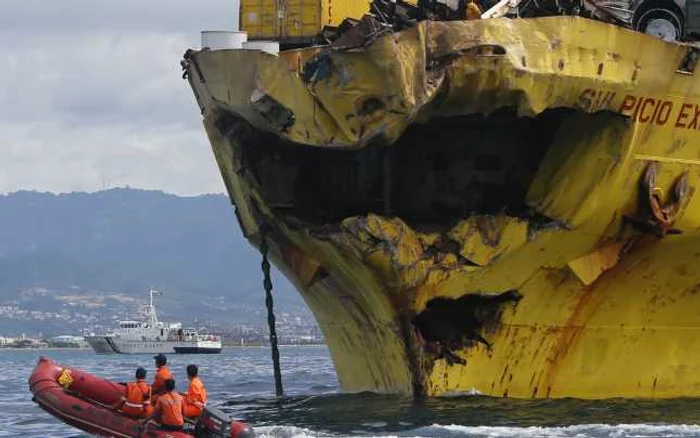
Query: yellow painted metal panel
x=259, y=19
x=289, y=19
x=335, y=11
x=605, y=309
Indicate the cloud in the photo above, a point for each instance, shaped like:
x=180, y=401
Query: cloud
x=78, y=16
x=47, y=156
x=92, y=92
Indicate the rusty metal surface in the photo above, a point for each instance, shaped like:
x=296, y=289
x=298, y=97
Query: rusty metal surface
x=532, y=70
x=585, y=230
x=656, y=215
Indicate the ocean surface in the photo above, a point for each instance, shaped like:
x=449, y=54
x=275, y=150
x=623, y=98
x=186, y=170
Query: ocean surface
x=240, y=382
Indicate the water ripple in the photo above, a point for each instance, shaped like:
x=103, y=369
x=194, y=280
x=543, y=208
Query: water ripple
x=240, y=382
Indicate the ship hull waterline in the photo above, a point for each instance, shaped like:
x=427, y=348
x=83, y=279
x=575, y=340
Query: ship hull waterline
x=114, y=345
x=501, y=207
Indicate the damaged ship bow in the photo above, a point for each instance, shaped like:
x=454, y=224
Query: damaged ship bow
x=495, y=206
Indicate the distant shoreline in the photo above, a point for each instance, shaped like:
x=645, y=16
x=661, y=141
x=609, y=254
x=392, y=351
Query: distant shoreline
x=267, y=346
x=45, y=349
x=234, y=345
x=225, y=347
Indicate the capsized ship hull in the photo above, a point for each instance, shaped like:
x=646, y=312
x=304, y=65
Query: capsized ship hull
x=495, y=206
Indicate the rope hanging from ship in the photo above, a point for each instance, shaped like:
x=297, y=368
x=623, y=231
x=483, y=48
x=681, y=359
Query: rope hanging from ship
x=267, y=284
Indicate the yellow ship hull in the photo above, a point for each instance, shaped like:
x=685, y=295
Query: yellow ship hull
x=501, y=207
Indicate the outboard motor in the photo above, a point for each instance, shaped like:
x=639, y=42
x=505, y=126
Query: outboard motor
x=216, y=424
x=241, y=430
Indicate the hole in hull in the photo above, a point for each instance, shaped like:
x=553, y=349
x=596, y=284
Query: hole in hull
x=447, y=325
x=436, y=172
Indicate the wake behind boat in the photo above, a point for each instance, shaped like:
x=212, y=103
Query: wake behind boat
x=149, y=335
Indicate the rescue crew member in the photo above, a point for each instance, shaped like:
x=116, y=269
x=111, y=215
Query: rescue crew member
x=137, y=401
x=168, y=409
x=196, y=396
x=162, y=374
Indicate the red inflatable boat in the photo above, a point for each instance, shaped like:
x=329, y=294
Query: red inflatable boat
x=83, y=401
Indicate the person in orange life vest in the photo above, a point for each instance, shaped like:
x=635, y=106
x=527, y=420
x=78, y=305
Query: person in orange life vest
x=196, y=396
x=162, y=374
x=137, y=401
x=169, y=409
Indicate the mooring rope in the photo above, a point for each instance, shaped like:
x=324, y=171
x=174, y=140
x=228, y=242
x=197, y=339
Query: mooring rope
x=267, y=283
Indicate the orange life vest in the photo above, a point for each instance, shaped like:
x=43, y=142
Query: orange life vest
x=162, y=374
x=137, y=399
x=196, y=398
x=170, y=407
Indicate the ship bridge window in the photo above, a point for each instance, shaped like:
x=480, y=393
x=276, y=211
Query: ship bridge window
x=437, y=171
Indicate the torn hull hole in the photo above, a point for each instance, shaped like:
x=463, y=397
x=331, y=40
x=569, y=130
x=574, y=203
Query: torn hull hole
x=447, y=325
x=447, y=168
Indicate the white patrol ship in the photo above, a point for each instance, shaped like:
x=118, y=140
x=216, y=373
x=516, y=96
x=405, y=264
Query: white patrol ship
x=152, y=336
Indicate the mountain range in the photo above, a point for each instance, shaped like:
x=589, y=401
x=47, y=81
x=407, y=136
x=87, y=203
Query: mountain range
x=121, y=242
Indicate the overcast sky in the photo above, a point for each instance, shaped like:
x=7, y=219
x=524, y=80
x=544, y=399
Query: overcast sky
x=91, y=92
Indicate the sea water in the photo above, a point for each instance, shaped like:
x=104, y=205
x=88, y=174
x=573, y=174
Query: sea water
x=240, y=382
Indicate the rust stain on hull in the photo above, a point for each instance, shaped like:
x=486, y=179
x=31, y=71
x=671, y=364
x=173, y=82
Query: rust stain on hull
x=448, y=165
